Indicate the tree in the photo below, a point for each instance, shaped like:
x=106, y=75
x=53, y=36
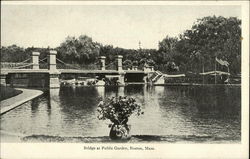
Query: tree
x=43, y=52
x=212, y=37
x=167, y=45
x=81, y=50
x=166, y=50
x=171, y=67
x=13, y=53
x=127, y=64
x=108, y=52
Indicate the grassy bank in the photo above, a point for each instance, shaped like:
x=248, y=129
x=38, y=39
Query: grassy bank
x=8, y=92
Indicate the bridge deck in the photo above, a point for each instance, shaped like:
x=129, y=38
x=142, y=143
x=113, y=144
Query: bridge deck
x=6, y=71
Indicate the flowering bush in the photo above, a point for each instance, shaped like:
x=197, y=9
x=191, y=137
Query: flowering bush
x=118, y=109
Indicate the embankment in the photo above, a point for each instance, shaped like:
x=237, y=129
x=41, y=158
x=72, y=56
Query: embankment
x=13, y=102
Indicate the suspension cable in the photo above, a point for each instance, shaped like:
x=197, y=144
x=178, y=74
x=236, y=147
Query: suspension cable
x=43, y=59
x=23, y=61
x=67, y=64
x=111, y=63
x=22, y=66
x=96, y=63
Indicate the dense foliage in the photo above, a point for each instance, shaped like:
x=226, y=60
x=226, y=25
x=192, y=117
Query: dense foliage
x=192, y=51
x=81, y=50
x=118, y=109
x=15, y=53
x=208, y=38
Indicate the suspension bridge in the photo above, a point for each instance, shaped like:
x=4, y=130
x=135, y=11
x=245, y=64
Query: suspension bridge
x=49, y=71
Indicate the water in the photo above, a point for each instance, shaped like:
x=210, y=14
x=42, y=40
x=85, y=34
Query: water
x=171, y=114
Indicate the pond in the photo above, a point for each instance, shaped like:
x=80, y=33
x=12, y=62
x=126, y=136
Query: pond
x=207, y=114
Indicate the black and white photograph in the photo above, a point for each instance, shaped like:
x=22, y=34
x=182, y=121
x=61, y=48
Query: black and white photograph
x=121, y=75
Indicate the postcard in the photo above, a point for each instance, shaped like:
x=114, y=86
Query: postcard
x=124, y=79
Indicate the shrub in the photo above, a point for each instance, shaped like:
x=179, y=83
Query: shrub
x=118, y=109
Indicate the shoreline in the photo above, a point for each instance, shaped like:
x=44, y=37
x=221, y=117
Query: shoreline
x=8, y=137
x=195, y=84
x=16, y=101
x=165, y=84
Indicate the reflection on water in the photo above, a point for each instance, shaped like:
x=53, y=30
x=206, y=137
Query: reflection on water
x=173, y=112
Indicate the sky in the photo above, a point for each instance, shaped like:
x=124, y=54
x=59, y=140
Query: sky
x=120, y=26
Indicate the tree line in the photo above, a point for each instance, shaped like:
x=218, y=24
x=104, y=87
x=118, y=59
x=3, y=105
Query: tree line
x=193, y=51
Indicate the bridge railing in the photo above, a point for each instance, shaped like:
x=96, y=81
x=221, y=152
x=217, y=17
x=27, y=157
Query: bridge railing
x=43, y=66
x=89, y=67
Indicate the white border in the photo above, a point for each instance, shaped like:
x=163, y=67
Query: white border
x=57, y=150
x=124, y=3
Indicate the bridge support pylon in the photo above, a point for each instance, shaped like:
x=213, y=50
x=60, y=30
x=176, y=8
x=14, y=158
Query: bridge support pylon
x=52, y=60
x=121, y=81
x=102, y=60
x=35, y=60
x=53, y=72
x=119, y=62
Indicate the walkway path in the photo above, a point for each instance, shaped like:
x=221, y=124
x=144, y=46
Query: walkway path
x=13, y=102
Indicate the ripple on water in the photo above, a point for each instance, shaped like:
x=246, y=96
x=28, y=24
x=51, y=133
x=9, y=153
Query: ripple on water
x=171, y=114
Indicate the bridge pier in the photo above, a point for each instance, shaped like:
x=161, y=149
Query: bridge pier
x=35, y=60
x=102, y=59
x=54, y=80
x=145, y=79
x=53, y=72
x=121, y=81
